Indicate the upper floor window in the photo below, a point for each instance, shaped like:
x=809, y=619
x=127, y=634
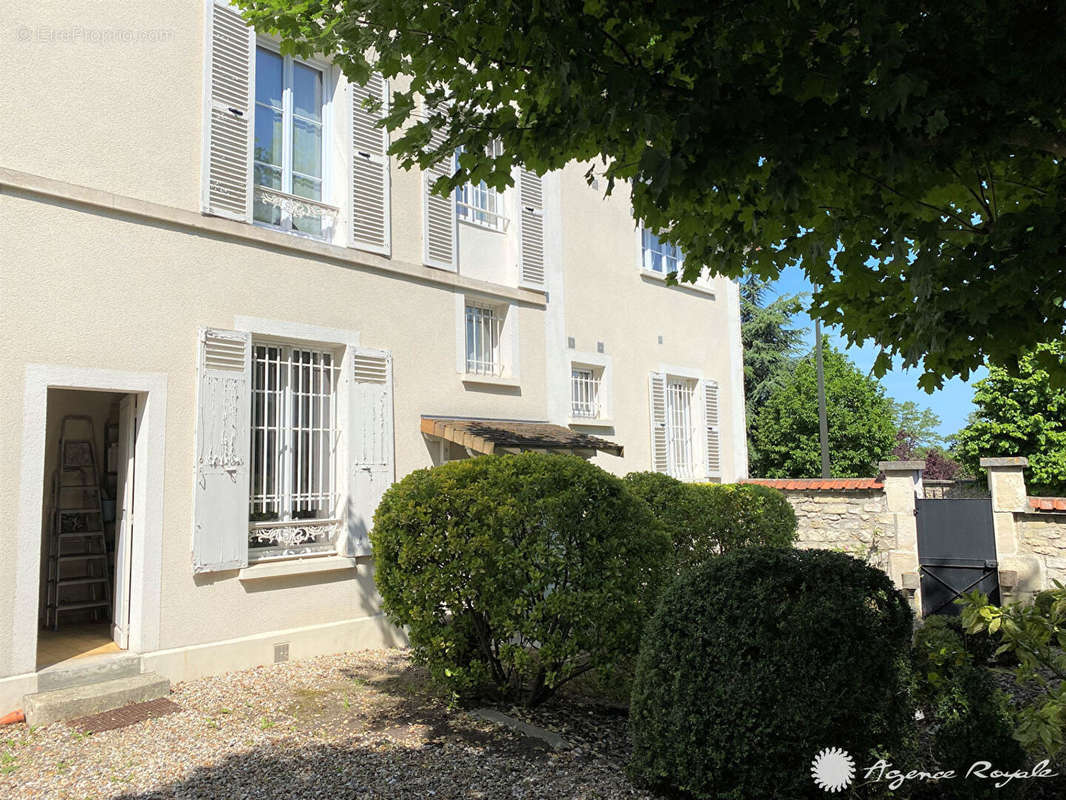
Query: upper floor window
x=484, y=329
x=294, y=437
x=658, y=256
x=287, y=157
x=585, y=393
x=478, y=202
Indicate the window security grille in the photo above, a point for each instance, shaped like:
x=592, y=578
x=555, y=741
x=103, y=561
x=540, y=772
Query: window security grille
x=483, y=329
x=584, y=393
x=680, y=419
x=294, y=443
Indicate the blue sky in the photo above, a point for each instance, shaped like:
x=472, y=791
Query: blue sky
x=952, y=404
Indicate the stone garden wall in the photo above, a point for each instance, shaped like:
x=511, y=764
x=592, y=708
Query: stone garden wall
x=1044, y=535
x=874, y=519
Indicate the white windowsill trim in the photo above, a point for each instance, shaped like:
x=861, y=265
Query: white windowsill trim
x=296, y=566
x=660, y=276
x=492, y=380
x=591, y=422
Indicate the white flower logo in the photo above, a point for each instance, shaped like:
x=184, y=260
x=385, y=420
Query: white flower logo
x=833, y=769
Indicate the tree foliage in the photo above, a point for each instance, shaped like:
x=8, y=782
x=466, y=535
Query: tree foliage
x=861, y=428
x=1020, y=415
x=909, y=156
x=771, y=343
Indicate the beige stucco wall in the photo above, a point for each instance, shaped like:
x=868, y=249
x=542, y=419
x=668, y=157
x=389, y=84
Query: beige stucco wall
x=109, y=96
x=607, y=299
x=92, y=290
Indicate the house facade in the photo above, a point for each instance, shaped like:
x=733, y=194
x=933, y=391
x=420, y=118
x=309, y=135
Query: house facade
x=232, y=322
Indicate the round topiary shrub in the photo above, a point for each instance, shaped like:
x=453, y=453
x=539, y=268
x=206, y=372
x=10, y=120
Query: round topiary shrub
x=706, y=520
x=514, y=574
x=674, y=504
x=757, y=660
x=736, y=515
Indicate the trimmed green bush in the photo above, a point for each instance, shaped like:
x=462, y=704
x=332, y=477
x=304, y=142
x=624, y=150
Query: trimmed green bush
x=674, y=504
x=514, y=574
x=966, y=716
x=706, y=519
x=758, y=659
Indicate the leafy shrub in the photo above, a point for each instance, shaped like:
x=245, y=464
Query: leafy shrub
x=745, y=515
x=705, y=520
x=674, y=504
x=514, y=574
x=967, y=717
x=755, y=661
x=1035, y=634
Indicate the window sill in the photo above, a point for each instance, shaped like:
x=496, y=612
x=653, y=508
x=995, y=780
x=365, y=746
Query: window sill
x=492, y=380
x=661, y=277
x=296, y=566
x=483, y=226
x=591, y=422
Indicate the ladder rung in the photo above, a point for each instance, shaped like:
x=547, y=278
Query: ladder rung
x=80, y=534
x=79, y=581
x=76, y=556
x=75, y=606
x=92, y=486
x=79, y=510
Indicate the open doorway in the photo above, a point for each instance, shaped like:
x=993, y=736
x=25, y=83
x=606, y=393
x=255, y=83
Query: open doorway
x=87, y=534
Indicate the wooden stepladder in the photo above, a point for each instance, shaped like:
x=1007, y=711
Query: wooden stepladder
x=78, y=567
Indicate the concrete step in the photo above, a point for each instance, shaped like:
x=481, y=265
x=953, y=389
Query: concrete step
x=45, y=708
x=88, y=669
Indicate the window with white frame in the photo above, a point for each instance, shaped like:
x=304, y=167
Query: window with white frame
x=484, y=331
x=288, y=161
x=478, y=202
x=294, y=449
x=585, y=394
x=681, y=420
x=658, y=256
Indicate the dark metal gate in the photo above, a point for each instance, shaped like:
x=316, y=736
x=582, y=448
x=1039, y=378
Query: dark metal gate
x=956, y=552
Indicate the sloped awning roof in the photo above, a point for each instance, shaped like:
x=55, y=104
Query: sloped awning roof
x=488, y=436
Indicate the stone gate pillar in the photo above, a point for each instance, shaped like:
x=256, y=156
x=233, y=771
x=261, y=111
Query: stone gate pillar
x=903, y=485
x=1020, y=574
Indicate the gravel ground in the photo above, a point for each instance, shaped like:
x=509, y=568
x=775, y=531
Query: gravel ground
x=357, y=725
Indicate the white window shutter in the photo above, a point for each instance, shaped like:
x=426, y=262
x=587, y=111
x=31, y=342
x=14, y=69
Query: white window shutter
x=660, y=456
x=713, y=446
x=370, y=222
x=531, y=224
x=229, y=80
x=439, y=229
x=223, y=431
x=370, y=442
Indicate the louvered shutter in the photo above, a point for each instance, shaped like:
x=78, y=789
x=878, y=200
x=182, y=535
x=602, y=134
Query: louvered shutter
x=229, y=77
x=223, y=431
x=370, y=442
x=660, y=454
x=439, y=229
x=370, y=228
x=713, y=444
x=531, y=200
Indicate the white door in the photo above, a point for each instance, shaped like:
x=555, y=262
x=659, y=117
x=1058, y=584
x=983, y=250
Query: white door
x=127, y=438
